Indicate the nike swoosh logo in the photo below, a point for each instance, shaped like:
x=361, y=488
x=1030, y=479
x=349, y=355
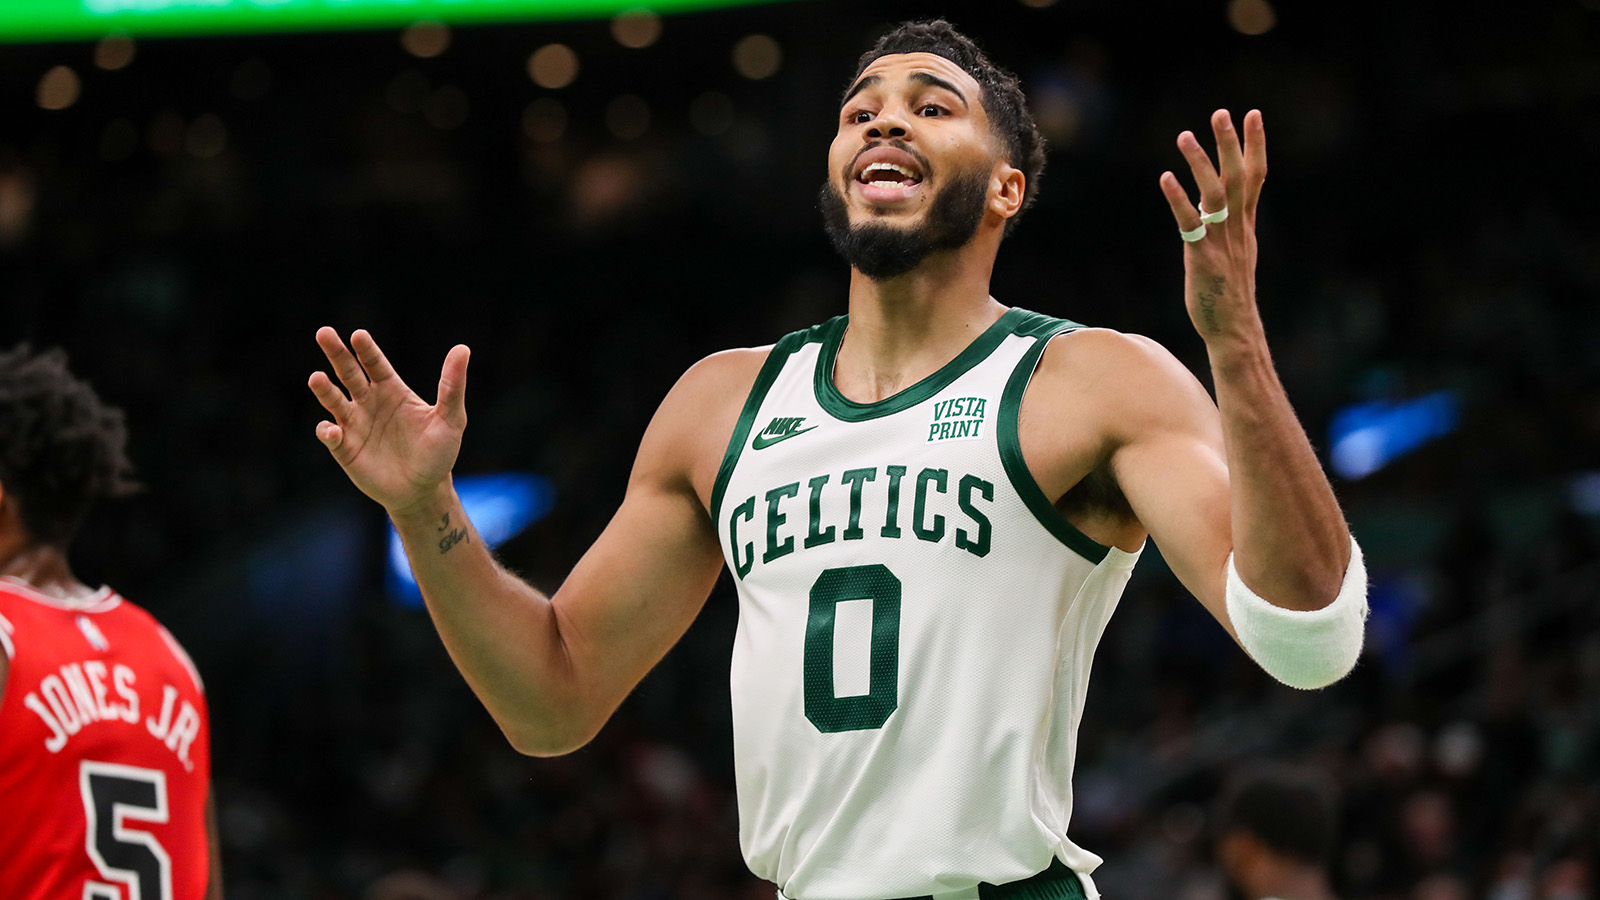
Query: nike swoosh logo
x=762, y=442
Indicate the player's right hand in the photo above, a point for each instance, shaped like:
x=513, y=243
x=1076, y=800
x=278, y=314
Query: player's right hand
x=397, y=448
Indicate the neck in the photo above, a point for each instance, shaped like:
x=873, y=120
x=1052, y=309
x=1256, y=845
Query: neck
x=1289, y=881
x=905, y=328
x=44, y=568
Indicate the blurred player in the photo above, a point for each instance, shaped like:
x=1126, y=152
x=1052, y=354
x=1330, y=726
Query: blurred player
x=1275, y=830
x=930, y=508
x=105, y=764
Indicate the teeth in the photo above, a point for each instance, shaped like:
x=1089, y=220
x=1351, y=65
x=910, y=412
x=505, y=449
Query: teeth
x=886, y=184
x=889, y=167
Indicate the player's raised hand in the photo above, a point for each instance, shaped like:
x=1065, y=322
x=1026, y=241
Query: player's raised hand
x=395, y=446
x=1219, y=253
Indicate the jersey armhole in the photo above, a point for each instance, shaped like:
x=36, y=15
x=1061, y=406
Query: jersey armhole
x=1016, y=467
x=775, y=361
x=182, y=657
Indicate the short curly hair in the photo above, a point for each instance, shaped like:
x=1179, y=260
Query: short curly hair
x=1003, y=100
x=61, y=447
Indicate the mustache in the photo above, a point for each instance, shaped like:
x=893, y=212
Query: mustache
x=896, y=143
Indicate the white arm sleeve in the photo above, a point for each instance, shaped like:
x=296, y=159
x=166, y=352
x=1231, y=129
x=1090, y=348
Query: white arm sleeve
x=1303, y=649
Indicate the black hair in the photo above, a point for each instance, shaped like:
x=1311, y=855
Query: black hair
x=1003, y=100
x=61, y=448
x=1290, y=810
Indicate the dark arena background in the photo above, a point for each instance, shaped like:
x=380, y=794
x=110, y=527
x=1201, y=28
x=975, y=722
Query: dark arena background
x=593, y=204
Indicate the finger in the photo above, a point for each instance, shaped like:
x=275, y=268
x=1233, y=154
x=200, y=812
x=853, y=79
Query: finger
x=331, y=436
x=1229, y=154
x=1212, y=196
x=1255, y=159
x=1182, y=210
x=344, y=364
x=332, y=399
x=372, y=359
x=452, y=401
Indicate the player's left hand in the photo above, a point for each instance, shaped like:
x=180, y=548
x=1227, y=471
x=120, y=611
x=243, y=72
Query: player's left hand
x=1220, y=268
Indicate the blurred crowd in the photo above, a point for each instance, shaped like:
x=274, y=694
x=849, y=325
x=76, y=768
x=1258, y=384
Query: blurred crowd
x=189, y=218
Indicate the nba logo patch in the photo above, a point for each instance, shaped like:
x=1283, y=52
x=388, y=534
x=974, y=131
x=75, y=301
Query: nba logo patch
x=92, y=634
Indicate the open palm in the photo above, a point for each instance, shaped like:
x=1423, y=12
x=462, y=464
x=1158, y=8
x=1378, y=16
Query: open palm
x=395, y=446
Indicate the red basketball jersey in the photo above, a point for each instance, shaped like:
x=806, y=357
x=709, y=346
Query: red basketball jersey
x=105, y=758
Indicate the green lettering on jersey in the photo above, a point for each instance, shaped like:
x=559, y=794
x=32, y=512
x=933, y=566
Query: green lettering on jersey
x=856, y=478
x=746, y=511
x=978, y=546
x=814, y=536
x=891, y=522
x=775, y=518
x=939, y=478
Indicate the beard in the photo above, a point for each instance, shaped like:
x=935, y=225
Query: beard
x=880, y=251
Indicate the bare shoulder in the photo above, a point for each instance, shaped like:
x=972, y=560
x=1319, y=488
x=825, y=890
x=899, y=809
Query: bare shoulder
x=695, y=421
x=1130, y=380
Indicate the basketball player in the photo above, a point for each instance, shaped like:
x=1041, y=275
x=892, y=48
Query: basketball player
x=929, y=507
x=105, y=764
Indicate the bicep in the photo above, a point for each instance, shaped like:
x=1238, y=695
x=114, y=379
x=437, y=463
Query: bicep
x=1177, y=485
x=1172, y=466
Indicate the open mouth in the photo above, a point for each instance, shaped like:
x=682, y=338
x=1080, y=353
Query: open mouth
x=889, y=175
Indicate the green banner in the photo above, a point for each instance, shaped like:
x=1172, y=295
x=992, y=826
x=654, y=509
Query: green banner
x=50, y=20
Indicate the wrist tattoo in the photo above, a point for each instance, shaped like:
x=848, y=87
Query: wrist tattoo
x=1209, y=296
x=450, y=538
x=448, y=542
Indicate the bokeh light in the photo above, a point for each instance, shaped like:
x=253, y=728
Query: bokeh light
x=544, y=120
x=757, y=56
x=206, y=137
x=711, y=113
x=628, y=117
x=553, y=66
x=636, y=28
x=1251, y=16
x=114, y=51
x=58, y=88
x=426, y=39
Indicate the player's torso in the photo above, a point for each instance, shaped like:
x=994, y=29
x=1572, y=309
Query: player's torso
x=104, y=754
x=909, y=622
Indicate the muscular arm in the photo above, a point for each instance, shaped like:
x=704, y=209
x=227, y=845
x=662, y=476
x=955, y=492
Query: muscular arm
x=552, y=669
x=1197, y=488
x=1239, y=477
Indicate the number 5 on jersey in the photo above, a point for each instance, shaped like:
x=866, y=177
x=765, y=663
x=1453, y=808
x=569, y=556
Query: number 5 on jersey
x=113, y=796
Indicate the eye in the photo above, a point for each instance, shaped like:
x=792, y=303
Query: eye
x=861, y=117
x=930, y=111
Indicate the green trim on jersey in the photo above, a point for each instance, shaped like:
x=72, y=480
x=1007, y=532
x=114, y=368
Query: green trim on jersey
x=843, y=408
x=1043, y=328
x=770, y=369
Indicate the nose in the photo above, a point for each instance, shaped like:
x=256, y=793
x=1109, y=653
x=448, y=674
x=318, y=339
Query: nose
x=888, y=124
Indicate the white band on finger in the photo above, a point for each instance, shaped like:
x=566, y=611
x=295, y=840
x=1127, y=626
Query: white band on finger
x=1195, y=235
x=1220, y=215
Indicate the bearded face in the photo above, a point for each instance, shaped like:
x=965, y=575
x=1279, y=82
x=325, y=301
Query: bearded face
x=880, y=248
x=912, y=166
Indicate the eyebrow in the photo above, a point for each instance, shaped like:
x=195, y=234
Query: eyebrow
x=859, y=86
x=935, y=81
x=926, y=78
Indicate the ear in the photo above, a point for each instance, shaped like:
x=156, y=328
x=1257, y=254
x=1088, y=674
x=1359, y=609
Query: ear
x=1007, y=187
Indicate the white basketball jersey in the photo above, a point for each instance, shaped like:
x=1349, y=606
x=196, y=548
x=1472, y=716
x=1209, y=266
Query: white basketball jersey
x=916, y=626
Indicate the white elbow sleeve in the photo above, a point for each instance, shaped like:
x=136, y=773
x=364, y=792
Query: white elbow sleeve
x=1303, y=649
